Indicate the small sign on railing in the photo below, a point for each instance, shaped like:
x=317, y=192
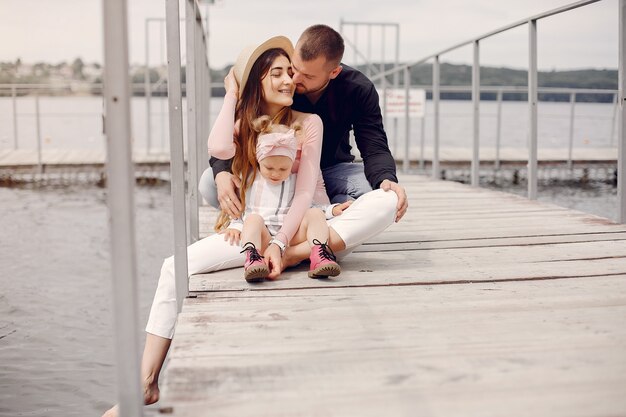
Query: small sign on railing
x=396, y=102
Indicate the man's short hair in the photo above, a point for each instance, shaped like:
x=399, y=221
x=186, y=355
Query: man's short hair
x=321, y=40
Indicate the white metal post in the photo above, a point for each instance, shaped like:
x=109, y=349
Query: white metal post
x=176, y=149
x=476, y=115
x=384, y=79
x=147, y=90
x=407, y=119
x=14, y=99
x=621, y=164
x=435, y=167
x=192, y=123
x=570, y=146
x=422, y=137
x=38, y=123
x=120, y=179
x=369, y=50
x=532, y=109
x=613, y=117
x=498, y=129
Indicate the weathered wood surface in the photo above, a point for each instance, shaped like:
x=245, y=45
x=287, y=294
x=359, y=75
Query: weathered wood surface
x=477, y=303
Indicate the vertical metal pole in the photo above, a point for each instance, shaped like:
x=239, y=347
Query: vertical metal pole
x=192, y=123
x=38, y=122
x=435, y=163
x=615, y=105
x=499, y=129
x=205, y=151
x=369, y=50
x=621, y=164
x=120, y=179
x=384, y=79
x=396, y=75
x=476, y=115
x=176, y=148
x=161, y=102
x=147, y=90
x=356, y=55
x=396, y=81
x=570, y=147
x=407, y=119
x=532, y=109
x=395, y=135
x=14, y=99
x=422, y=137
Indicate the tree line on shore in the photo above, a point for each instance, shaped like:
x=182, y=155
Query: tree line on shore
x=89, y=75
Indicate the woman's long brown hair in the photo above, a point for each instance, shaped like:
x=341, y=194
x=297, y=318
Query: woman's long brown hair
x=249, y=107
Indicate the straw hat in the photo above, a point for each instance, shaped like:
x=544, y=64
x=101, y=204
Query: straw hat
x=250, y=54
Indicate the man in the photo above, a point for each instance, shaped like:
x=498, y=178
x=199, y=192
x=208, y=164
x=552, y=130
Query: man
x=346, y=100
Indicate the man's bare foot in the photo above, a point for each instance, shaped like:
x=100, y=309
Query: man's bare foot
x=150, y=396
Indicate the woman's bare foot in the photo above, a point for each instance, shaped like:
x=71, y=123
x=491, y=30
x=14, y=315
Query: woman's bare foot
x=153, y=357
x=150, y=396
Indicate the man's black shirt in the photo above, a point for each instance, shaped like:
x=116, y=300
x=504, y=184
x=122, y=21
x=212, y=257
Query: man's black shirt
x=350, y=101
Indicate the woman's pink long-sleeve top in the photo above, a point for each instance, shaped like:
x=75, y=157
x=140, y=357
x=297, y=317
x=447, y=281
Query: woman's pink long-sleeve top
x=307, y=164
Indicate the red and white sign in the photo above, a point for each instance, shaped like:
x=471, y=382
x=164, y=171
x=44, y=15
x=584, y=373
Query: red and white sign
x=396, y=102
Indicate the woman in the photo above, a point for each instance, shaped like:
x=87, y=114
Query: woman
x=259, y=83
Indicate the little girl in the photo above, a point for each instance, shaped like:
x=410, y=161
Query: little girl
x=268, y=200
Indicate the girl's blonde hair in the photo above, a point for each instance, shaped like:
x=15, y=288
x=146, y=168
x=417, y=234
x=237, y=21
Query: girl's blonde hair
x=265, y=124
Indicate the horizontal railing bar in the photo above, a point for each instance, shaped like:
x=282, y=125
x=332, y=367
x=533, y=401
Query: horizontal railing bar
x=514, y=25
x=370, y=23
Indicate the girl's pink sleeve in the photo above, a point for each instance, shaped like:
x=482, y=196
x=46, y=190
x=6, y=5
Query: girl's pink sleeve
x=221, y=144
x=306, y=181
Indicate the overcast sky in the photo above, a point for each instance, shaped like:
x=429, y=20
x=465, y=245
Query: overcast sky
x=61, y=30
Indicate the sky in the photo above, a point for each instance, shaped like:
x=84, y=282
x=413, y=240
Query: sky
x=61, y=30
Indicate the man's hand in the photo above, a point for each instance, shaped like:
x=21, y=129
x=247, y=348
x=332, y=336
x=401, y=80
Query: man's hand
x=231, y=236
x=339, y=208
x=274, y=260
x=227, y=185
x=403, y=203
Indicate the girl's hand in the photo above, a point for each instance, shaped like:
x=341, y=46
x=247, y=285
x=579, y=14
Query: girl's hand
x=230, y=83
x=339, y=208
x=231, y=236
x=274, y=260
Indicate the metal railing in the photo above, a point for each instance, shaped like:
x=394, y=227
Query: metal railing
x=499, y=91
x=121, y=207
x=121, y=174
x=532, y=89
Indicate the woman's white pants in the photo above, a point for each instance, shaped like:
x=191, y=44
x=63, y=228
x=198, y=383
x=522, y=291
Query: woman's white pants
x=367, y=217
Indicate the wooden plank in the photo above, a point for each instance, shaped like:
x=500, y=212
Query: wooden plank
x=430, y=267
x=390, y=245
x=551, y=348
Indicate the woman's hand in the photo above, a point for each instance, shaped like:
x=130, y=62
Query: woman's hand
x=230, y=83
x=274, y=260
x=339, y=208
x=227, y=185
x=231, y=236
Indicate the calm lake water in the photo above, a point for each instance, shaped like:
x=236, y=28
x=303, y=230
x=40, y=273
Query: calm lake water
x=56, y=336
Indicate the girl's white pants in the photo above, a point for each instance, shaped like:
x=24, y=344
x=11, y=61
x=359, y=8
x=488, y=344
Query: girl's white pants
x=367, y=217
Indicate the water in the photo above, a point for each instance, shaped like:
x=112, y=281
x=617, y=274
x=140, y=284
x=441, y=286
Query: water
x=56, y=336
x=76, y=123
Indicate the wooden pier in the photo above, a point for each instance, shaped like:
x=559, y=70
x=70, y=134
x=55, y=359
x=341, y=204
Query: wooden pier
x=55, y=160
x=478, y=303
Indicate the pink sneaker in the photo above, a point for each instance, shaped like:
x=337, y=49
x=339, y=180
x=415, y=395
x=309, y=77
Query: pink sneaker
x=323, y=261
x=255, y=269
